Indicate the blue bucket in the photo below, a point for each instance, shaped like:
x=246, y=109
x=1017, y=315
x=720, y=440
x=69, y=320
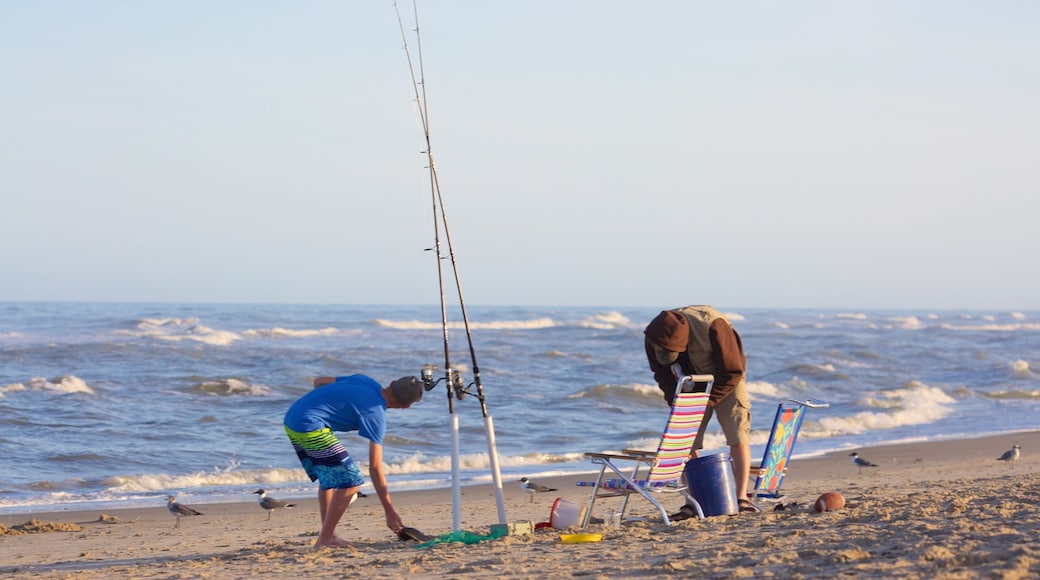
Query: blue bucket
x=710, y=480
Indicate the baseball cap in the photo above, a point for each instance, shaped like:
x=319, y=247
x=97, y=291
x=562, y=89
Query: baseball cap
x=407, y=390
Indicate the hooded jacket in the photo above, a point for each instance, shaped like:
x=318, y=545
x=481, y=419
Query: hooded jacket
x=706, y=342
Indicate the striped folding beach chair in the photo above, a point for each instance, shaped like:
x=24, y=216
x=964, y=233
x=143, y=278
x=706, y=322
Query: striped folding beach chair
x=769, y=475
x=663, y=468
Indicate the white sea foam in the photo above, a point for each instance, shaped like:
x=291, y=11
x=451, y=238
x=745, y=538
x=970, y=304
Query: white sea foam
x=278, y=332
x=797, y=383
x=418, y=463
x=762, y=390
x=1013, y=394
x=1011, y=327
x=915, y=404
x=814, y=369
x=851, y=315
x=1018, y=315
x=915, y=393
x=643, y=443
x=906, y=322
x=145, y=323
x=226, y=476
x=179, y=329
x=51, y=498
x=606, y=321
x=608, y=392
x=63, y=384
x=1021, y=367
x=533, y=324
x=230, y=388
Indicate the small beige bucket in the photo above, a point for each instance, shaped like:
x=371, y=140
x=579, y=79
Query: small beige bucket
x=566, y=514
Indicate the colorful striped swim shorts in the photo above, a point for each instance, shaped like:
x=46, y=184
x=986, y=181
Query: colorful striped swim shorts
x=325, y=459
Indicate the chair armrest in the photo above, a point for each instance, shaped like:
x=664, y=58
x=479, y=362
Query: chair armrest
x=647, y=460
x=757, y=470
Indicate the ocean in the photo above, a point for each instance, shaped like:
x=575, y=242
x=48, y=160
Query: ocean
x=110, y=405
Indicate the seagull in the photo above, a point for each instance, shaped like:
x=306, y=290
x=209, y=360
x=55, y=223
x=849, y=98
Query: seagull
x=270, y=504
x=179, y=509
x=1011, y=455
x=533, y=488
x=860, y=462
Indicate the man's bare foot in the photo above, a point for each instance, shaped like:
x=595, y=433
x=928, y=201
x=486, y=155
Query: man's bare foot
x=335, y=542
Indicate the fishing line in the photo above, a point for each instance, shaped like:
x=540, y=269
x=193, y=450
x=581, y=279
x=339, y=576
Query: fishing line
x=452, y=377
x=420, y=102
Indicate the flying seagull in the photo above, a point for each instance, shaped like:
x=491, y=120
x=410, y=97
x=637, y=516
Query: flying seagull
x=179, y=510
x=860, y=462
x=1011, y=455
x=532, y=488
x=270, y=504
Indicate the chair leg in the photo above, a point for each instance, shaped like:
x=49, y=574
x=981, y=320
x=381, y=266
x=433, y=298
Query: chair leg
x=650, y=498
x=695, y=503
x=641, y=491
x=592, y=498
x=664, y=513
x=624, y=502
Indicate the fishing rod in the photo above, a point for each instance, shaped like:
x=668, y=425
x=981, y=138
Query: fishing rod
x=452, y=377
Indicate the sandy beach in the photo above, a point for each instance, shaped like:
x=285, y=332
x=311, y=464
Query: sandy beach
x=930, y=510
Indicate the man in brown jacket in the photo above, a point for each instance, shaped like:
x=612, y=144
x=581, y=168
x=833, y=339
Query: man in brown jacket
x=702, y=341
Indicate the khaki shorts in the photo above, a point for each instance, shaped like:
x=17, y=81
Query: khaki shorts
x=734, y=413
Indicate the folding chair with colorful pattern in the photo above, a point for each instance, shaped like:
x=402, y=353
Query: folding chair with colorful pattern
x=788, y=421
x=665, y=465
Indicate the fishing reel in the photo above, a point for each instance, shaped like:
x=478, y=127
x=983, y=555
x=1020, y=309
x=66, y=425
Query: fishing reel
x=455, y=383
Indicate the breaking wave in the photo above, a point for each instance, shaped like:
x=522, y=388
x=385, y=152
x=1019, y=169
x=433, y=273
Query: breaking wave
x=229, y=388
x=914, y=404
x=419, y=463
x=278, y=332
x=62, y=384
x=608, y=393
x=218, y=477
x=606, y=321
x=533, y=324
x=180, y=329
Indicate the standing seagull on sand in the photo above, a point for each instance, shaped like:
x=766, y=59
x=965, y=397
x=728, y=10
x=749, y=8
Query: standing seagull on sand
x=532, y=488
x=1011, y=455
x=270, y=504
x=860, y=462
x=179, y=510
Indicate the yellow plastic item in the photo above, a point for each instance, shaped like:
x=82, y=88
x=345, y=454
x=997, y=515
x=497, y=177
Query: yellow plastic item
x=580, y=538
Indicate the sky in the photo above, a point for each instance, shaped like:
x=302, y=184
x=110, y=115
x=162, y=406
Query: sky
x=806, y=154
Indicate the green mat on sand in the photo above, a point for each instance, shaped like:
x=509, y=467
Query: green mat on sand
x=463, y=536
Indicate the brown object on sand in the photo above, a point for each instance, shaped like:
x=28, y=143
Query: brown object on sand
x=829, y=501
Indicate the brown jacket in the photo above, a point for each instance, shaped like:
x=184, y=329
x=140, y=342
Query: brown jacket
x=713, y=347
